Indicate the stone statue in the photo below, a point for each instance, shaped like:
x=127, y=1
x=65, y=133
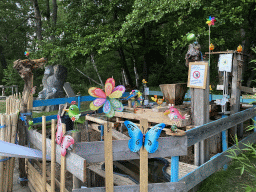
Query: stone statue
x=53, y=81
x=193, y=53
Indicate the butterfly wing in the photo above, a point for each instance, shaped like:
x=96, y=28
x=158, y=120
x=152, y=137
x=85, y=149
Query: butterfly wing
x=66, y=142
x=151, y=143
x=59, y=133
x=136, y=135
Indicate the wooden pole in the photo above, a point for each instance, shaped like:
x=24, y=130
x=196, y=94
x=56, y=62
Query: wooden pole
x=109, y=178
x=53, y=157
x=8, y=139
x=30, y=98
x=2, y=135
x=143, y=160
x=44, y=153
x=76, y=182
x=63, y=165
x=14, y=121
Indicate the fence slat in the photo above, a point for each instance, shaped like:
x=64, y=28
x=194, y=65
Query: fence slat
x=94, y=151
x=213, y=165
x=156, y=187
x=205, y=131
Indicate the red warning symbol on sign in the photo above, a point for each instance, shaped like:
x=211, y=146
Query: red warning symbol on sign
x=196, y=74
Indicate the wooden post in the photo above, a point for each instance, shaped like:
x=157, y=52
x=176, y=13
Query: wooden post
x=2, y=137
x=8, y=139
x=130, y=103
x=109, y=178
x=143, y=160
x=87, y=130
x=235, y=95
x=53, y=156
x=16, y=89
x=63, y=165
x=200, y=116
x=44, y=153
x=14, y=121
x=30, y=98
x=76, y=182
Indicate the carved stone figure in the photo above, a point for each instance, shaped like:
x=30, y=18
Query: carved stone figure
x=193, y=53
x=53, y=81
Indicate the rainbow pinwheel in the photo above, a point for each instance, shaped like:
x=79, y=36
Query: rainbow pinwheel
x=107, y=99
x=210, y=21
x=26, y=53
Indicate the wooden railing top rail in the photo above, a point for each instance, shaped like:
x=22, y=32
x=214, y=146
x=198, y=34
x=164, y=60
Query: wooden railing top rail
x=210, y=129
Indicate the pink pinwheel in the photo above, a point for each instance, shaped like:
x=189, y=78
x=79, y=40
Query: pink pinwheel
x=59, y=133
x=107, y=99
x=66, y=142
x=210, y=21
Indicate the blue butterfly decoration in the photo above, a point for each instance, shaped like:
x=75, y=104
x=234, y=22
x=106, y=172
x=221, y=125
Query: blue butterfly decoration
x=149, y=140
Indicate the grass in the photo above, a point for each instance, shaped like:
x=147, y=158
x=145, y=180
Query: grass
x=228, y=181
x=2, y=106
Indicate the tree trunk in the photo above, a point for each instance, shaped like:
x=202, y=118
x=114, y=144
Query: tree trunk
x=125, y=66
x=54, y=17
x=48, y=14
x=38, y=20
x=2, y=58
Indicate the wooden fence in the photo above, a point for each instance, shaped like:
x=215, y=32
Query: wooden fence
x=8, y=131
x=3, y=87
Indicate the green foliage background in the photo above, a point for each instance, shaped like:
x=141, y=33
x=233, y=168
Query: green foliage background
x=151, y=34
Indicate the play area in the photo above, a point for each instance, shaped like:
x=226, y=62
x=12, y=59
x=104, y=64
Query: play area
x=123, y=141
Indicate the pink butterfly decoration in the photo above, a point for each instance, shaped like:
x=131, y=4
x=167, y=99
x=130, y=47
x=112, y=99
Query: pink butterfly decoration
x=66, y=142
x=59, y=133
x=107, y=99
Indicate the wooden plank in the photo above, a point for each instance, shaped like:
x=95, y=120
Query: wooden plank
x=108, y=155
x=143, y=160
x=63, y=166
x=205, y=170
x=118, y=179
x=53, y=156
x=93, y=152
x=156, y=187
x=77, y=138
x=221, y=52
x=247, y=89
x=154, y=117
x=115, y=134
x=7, y=165
x=69, y=91
x=97, y=120
x=2, y=137
x=205, y=131
x=75, y=164
x=44, y=152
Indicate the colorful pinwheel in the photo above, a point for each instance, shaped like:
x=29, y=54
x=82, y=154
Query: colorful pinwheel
x=107, y=99
x=26, y=53
x=210, y=21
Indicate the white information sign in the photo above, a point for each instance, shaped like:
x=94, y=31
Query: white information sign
x=225, y=62
x=197, y=75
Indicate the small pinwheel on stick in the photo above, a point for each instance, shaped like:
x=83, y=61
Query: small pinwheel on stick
x=210, y=21
x=107, y=99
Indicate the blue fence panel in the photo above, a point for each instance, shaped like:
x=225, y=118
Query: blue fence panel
x=48, y=118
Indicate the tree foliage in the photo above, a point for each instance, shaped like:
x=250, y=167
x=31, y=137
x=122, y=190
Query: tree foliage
x=150, y=35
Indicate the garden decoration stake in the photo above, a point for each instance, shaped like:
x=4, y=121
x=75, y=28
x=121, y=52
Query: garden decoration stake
x=210, y=21
x=108, y=100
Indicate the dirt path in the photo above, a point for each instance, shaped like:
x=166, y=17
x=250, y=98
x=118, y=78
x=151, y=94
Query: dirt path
x=17, y=187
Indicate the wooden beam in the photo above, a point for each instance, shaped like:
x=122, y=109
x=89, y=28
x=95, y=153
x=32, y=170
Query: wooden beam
x=75, y=164
x=116, y=134
x=213, y=165
x=53, y=156
x=44, y=152
x=99, y=121
x=108, y=156
x=156, y=187
x=247, y=89
x=221, y=52
x=94, y=151
x=205, y=131
x=143, y=160
x=63, y=166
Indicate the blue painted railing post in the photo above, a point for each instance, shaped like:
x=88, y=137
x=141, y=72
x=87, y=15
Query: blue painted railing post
x=175, y=169
x=101, y=132
x=210, y=97
x=254, y=118
x=224, y=142
x=79, y=102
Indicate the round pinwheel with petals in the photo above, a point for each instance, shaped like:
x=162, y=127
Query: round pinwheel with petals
x=210, y=21
x=107, y=99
